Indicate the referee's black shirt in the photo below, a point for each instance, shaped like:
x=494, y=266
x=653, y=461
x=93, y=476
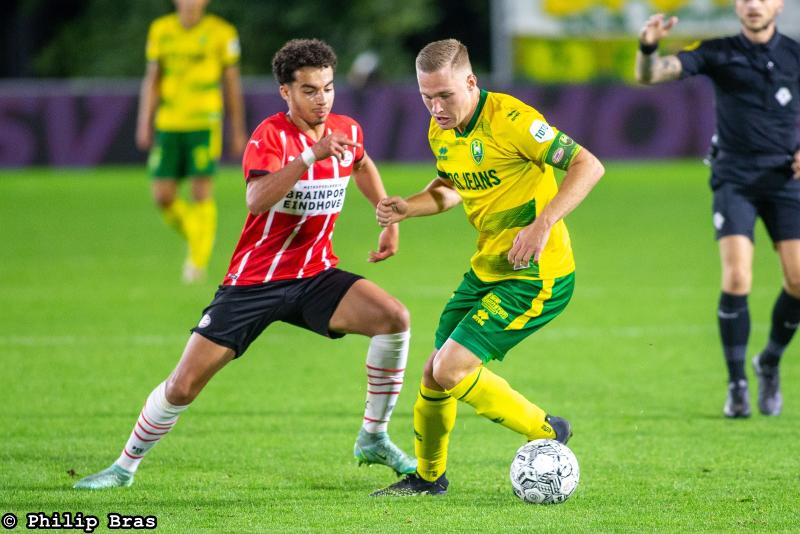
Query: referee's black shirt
x=757, y=89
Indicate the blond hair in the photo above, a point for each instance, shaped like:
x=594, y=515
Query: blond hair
x=440, y=54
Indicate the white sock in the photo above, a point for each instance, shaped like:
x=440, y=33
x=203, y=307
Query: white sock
x=157, y=418
x=386, y=366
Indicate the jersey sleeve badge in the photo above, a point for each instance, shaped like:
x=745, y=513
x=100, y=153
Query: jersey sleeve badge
x=541, y=131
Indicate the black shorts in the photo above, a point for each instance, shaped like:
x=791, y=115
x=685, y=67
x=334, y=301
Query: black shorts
x=736, y=207
x=238, y=314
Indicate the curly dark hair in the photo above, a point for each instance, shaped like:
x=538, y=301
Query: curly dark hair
x=299, y=53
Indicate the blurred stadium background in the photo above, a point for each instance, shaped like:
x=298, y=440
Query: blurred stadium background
x=70, y=70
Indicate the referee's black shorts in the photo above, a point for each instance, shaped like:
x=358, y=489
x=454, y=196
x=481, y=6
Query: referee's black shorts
x=771, y=194
x=238, y=314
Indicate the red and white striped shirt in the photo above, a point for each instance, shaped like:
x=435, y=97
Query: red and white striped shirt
x=293, y=239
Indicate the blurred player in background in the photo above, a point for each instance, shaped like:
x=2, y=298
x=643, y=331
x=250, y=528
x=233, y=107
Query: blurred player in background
x=755, y=166
x=180, y=119
x=496, y=155
x=297, y=166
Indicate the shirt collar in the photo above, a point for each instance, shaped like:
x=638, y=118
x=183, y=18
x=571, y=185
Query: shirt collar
x=750, y=45
x=475, y=115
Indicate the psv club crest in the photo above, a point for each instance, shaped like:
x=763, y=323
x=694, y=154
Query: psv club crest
x=476, y=149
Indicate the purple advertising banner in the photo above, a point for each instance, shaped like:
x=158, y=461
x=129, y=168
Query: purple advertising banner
x=61, y=125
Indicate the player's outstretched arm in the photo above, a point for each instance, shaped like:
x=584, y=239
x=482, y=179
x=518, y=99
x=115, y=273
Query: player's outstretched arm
x=650, y=67
x=437, y=197
x=148, y=101
x=582, y=175
x=234, y=103
x=264, y=191
x=368, y=180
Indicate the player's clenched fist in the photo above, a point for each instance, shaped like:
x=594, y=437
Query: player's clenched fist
x=334, y=144
x=528, y=245
x=656, y=28
x=391, y=210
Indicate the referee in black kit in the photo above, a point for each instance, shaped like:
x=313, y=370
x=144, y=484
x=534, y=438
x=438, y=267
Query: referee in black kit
x=755, y=171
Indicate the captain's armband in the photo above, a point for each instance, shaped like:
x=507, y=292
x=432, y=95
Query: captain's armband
x=562, y=151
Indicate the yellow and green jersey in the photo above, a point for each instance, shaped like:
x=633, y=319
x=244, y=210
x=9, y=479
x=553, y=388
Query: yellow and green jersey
x=502, y=166
x=191, y=61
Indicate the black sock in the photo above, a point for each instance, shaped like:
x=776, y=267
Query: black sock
x=734, y=329
x=785, y=317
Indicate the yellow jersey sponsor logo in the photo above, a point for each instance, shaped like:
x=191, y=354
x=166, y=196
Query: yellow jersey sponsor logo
x=474, y=180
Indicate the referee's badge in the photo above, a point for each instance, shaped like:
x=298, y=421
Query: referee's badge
x=719, y=220
x=205, y=321
x=476, y=149
x=783, y=96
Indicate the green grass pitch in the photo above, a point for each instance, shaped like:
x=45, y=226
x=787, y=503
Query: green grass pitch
x=93, y=316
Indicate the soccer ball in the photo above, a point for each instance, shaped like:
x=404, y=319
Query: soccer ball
x=544, y=471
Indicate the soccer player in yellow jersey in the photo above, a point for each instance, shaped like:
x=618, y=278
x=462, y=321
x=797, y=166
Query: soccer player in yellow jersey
x=495, y=154
x=189, y=55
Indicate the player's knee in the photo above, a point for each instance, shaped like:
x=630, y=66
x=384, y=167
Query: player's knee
x=737, y=281
x=201, y=197
x=427, y=371
x=792, y=285
x=444, y=374
x=200, y=194
x=164, y=201
x=401, y=318
x=395, y=317
x=180, y=391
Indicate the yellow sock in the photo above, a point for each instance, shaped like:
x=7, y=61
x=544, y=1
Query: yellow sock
x=493, y=398
x=201, y=229
x=175, y=215
x=434, y=418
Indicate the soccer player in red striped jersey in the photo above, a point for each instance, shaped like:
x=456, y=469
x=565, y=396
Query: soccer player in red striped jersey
x=297, y=165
